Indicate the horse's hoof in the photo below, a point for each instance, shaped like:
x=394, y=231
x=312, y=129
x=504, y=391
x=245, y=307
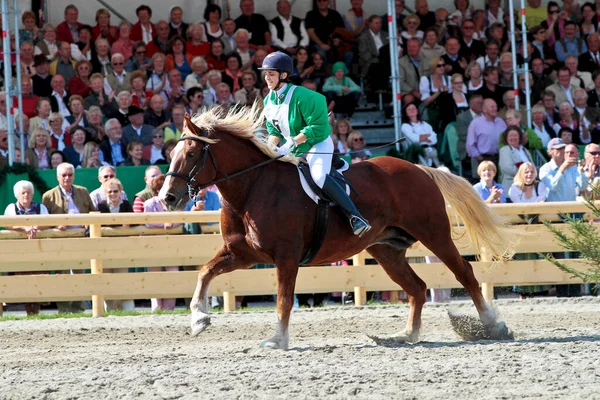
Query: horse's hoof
x=274, y=343
x=392, y=340
x=200, y=325
x=501, y=332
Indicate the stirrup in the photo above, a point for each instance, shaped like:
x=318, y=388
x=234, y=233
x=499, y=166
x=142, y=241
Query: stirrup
x=360, y=226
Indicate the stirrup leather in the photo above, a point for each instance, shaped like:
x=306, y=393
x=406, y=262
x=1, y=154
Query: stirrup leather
x=360, y=226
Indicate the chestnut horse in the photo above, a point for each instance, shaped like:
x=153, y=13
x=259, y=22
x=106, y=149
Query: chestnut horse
x=267, y=218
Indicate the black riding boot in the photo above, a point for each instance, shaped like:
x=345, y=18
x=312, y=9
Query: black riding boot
x=360, y=226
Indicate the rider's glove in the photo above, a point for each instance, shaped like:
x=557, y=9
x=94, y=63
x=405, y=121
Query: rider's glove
x=285, y=149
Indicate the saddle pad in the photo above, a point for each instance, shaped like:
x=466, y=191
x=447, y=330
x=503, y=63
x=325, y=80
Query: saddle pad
x=310, y=193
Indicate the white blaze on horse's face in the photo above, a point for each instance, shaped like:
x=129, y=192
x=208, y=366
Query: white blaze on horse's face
x=177, y=153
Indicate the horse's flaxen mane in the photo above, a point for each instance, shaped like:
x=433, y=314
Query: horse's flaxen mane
x=243, y=122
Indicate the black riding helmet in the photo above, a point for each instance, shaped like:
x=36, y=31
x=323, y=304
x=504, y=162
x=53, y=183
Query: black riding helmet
x=279, y=62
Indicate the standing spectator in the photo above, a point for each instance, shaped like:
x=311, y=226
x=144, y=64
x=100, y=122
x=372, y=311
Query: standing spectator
x=41, y=81
x=248, y=93
x=140, y=96
x=38, y=153
x=143, y=195
x=174, y=130
x=144, y=29
x=137, y=131
x=74, y=152
x=84, y=48
x=197, y=45
x=48, y=46
x=212, y=26
x=156, y=115
x=80, y=83
x=135, y=152
x=176, y=25
x=488, y=189
x=178, y=58
x=103, y=28
x=342, y=90
x=67, y=198
x=114, y=202
x=592, y=169
x=91, y=157
x=68, y=30
x=154, y=204
x=320, y=24
x=512, y=154
x=483, y=134
x=113, y=149
x=198, y=76
x=23, y=191
x=123, y=45
x=118, y=79
x=159, y=43
x=139, y=59
x=561, y=174
x=105, y=174
x=153, y=152
x=64, y=65
x=454, y=103
x=256, y=24
x=369, y=44
x=287, y=32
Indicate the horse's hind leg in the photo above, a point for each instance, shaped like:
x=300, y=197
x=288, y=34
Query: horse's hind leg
x=393, y=261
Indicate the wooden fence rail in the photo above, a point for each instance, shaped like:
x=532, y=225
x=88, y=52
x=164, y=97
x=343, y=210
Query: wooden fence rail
x=141, y=246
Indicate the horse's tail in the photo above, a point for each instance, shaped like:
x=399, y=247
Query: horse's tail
x=486, y=230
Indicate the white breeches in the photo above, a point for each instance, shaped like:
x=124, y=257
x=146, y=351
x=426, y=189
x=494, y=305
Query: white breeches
x=320, y=164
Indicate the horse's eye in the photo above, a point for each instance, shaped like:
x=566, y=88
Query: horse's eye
x=190, y=154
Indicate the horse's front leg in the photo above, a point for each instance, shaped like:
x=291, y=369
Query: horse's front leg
x=286, y=282
x=223, y=262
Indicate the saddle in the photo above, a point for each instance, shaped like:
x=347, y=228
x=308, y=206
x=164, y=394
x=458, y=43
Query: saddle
x=338, y=166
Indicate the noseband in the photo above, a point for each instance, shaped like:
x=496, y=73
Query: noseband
x=190, y=178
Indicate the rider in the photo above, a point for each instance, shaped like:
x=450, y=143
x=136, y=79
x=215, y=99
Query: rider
x=299, y=116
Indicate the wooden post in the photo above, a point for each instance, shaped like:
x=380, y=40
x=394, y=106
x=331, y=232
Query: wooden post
x=394, y=296
x=487, y=288
x=96, y=265
x=358, y=259
x=360, y=296
x=1, y=309
x=228, y=301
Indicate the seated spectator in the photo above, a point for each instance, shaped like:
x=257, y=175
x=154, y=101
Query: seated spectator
x=91, y=158
x=210, y=94
x=175, y=94
x=566, y=135
x=474, y=74
x=97, y=97
x=512, y=154
x=212, y=26
x=197, y=78
x=74, y=152
x=60, y=97
x=154, y=204
x=43, y=110
x=288, y=32
x=114, y=149
x=67, y=198
x=95, y=126
x=144, y=29
x=157, y=82
x=174, y=130
x=27, y=63
x=488, y=189
x=540, y=125
x=228, y=38
x=526, y=188
x=549, y=103
x=248, y=93
x=40, y=146
x=453, y=103
x=431, y=48
x=258, y=59
x=101, y=60
x=160, y=42
x=579, y=79
x=530, y=139
x=153, y=152
x=41, y=81
x=594, y=94
x=57, y=157
x=411, y=24
x=167, y=150
x=341, y=128
x=77, y=117
x=563, y=89
x=356, y=147
x=136, y=130
x=80, y=83
x=195, y=98
x=66, y=31
x=29, y=99
x=568, y=120
x=589, y=60
x=563, y=175
x=60, y=138
x=118, y=80
x=420, y=132
x=491, y=88
x=121, y=111
x=197, y=45
x=140, y=96
x=216, y=58
x=490, y=59
x=232, y=75
x=588, y=117
x=256, y=24
x=123, y=45
x=103, y=29
x=143, y=195
x=242, y=47
x=176, y=25
x=178, y=58
x=505, y=70
x=342, y=90
x=540, y=80
x=156, y=115
x=302, y=66
x=63, y=65
x=139, y=61
x=23, y=191
x=105, y=174
x=570, y=43
x=83, y=48
x=224, y=97
x=30, y=32
x=48, y=46
x=135, y=151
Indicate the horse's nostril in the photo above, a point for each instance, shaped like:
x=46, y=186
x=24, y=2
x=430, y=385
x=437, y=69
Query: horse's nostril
x=170, y=199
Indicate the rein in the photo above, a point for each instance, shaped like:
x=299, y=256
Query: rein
x=190, y=178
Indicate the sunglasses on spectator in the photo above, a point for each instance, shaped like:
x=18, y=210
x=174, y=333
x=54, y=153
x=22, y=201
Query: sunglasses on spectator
x=457, y=82
x=441, y=65
x=140, y=52
x=469, y=27
x=553, y=12
x=112, y=191
x=358, y=140
x=108, y=176
x=54, y=120
x=118, y=63
x=411, y=22
x=594, y=153
x=66, y=175
x=157, y=136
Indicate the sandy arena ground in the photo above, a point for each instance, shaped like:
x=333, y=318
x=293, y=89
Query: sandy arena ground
x=555, y=355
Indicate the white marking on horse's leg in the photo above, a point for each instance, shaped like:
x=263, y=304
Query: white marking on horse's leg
x=199, y=306
x=280, y=340
x=488, y=317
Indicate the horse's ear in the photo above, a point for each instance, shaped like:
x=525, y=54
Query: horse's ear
x=187, y=123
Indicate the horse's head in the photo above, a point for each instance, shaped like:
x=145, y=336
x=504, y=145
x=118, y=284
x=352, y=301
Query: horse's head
x=192, y=165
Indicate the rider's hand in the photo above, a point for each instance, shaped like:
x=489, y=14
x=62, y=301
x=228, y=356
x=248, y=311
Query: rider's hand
x=286, y=148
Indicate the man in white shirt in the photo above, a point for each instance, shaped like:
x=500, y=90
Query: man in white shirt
x=287, y=32
x=118, y=80
x=59, y=97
